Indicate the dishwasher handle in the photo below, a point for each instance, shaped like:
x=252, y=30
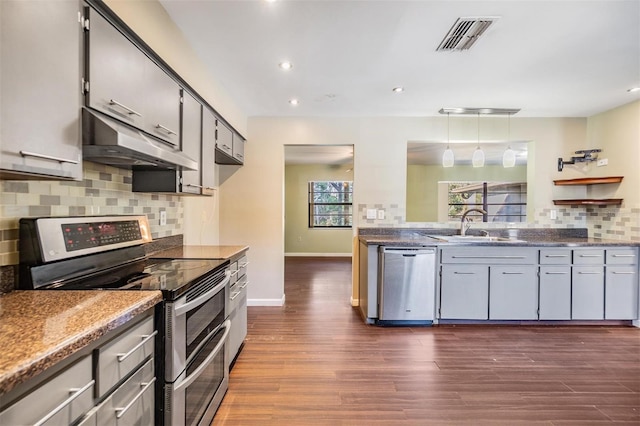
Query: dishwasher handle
x=408, y=251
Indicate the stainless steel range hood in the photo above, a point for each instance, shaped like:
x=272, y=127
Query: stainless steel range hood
x=110, y=142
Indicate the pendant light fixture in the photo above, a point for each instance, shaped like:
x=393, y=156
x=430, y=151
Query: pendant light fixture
x=477, y=160
x=447, y=157
x=509, y=156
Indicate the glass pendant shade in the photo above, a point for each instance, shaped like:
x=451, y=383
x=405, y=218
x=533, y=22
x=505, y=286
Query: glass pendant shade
x=447, y=158
x=509, y=158
x=478, y=158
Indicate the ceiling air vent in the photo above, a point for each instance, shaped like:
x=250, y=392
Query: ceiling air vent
x=464, y=33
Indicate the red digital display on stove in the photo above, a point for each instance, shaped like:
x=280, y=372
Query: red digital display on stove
x=78, y=236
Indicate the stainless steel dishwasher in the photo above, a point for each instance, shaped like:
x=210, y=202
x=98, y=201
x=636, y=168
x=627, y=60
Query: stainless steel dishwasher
x=406, y=285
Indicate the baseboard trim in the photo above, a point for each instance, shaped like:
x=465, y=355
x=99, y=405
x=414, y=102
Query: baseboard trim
x=266, y=302
x=318, y=255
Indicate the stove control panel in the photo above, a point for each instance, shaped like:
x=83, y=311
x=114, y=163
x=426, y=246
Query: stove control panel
x=78, y=236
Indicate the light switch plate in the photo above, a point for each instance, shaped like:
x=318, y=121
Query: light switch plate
x=602, y=162
x=381, y=214
x=163, y=217
x=371, y=213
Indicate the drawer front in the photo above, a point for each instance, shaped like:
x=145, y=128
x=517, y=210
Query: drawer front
x=62, y=400
x=123, y=355
x=559, y=256
x=588, y=257
x=242, y=266
x=622, y=256
x=133, y=402
x=490, y=255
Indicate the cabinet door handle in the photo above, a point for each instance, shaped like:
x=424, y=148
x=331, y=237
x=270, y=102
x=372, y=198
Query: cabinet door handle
x=623, y=273
x=488, y=257
x=195, y=186
x=464, y=273
x=511, y=273
x=145, y=339
x=556, y=273
x=624, y=255
x=47, y=157
x=556, y=255
x=225, y=146
x=589, y=273
x=166, y=129
x=210, y=188
x=76, y=393
x=239, y=155
x=124, y=107
x=590, y=255
x=122, y=411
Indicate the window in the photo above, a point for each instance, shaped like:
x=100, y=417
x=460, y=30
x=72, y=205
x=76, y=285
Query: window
x=503, y=201
x=330, y=204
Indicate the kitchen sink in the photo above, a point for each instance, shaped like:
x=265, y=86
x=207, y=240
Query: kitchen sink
x=474, y=239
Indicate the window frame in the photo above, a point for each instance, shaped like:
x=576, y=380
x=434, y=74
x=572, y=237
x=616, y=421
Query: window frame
x=312, y=203
x=483, y=190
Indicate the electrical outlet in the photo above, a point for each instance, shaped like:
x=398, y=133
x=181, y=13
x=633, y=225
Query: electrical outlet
x=371, y=213
x=380, y=214
x=163, y=217
x=602, y=162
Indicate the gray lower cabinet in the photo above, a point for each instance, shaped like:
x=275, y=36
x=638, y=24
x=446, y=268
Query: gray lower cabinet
x=587, y=293
x=118, y=376
x=621, y=292
x=555, y=292
x=464, y=292
x=40, y=133
x=238, y=304
x=513, y=293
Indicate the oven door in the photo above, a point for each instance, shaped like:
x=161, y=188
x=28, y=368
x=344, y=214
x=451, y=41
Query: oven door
x=194, y=398
x=190, y=321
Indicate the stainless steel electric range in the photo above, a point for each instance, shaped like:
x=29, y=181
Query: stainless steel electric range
x=108, y=253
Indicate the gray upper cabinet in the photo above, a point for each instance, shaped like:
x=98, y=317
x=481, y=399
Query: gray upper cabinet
x=238, y=148
x=209, y=168
x=40, y=129
x=224, y=138
x=115, y=71
x=162, y=95
x=192, y=142
x=125, y=84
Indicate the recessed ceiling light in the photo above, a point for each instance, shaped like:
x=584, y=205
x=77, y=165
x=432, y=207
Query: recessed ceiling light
x=634, y=89
x=293, y=102
x=398, y=89
x=286, y=65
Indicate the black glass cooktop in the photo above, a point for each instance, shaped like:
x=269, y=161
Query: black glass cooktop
x=172, y=277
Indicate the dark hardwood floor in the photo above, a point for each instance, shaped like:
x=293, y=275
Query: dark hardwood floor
x=314, y=362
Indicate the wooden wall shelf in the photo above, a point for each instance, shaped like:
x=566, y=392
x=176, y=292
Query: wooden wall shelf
x=589, y=202
x=589, y=181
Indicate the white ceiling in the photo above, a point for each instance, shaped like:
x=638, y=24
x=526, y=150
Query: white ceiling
x=562, y=58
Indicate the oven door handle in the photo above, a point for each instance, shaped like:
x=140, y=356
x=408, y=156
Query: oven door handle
x=180, y=310
x=198, y=371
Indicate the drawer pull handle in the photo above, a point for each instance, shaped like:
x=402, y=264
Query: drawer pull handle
x=122, y=411
x=234, y=273
x=47, y=157
x=590, y=255
x=511, y=273
x=244, y=265
x=488, y=257
x=145, y=339
x=464, y=273
x=623, y=273
x=556, y=273
x=624, y=255
x=166, y=129
x=242, y=287
x=556, y=255
x=124, y=107
x=235, y=295
x=76, y=393
x=589, y=273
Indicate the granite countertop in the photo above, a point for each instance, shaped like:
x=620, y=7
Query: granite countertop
x=201, y=252
x=550, y=241
x=40, y=328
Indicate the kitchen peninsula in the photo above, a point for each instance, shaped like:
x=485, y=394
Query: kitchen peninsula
x=532, y=275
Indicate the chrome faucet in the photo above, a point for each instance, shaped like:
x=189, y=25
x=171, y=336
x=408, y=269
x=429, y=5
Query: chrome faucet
x=464, y=217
